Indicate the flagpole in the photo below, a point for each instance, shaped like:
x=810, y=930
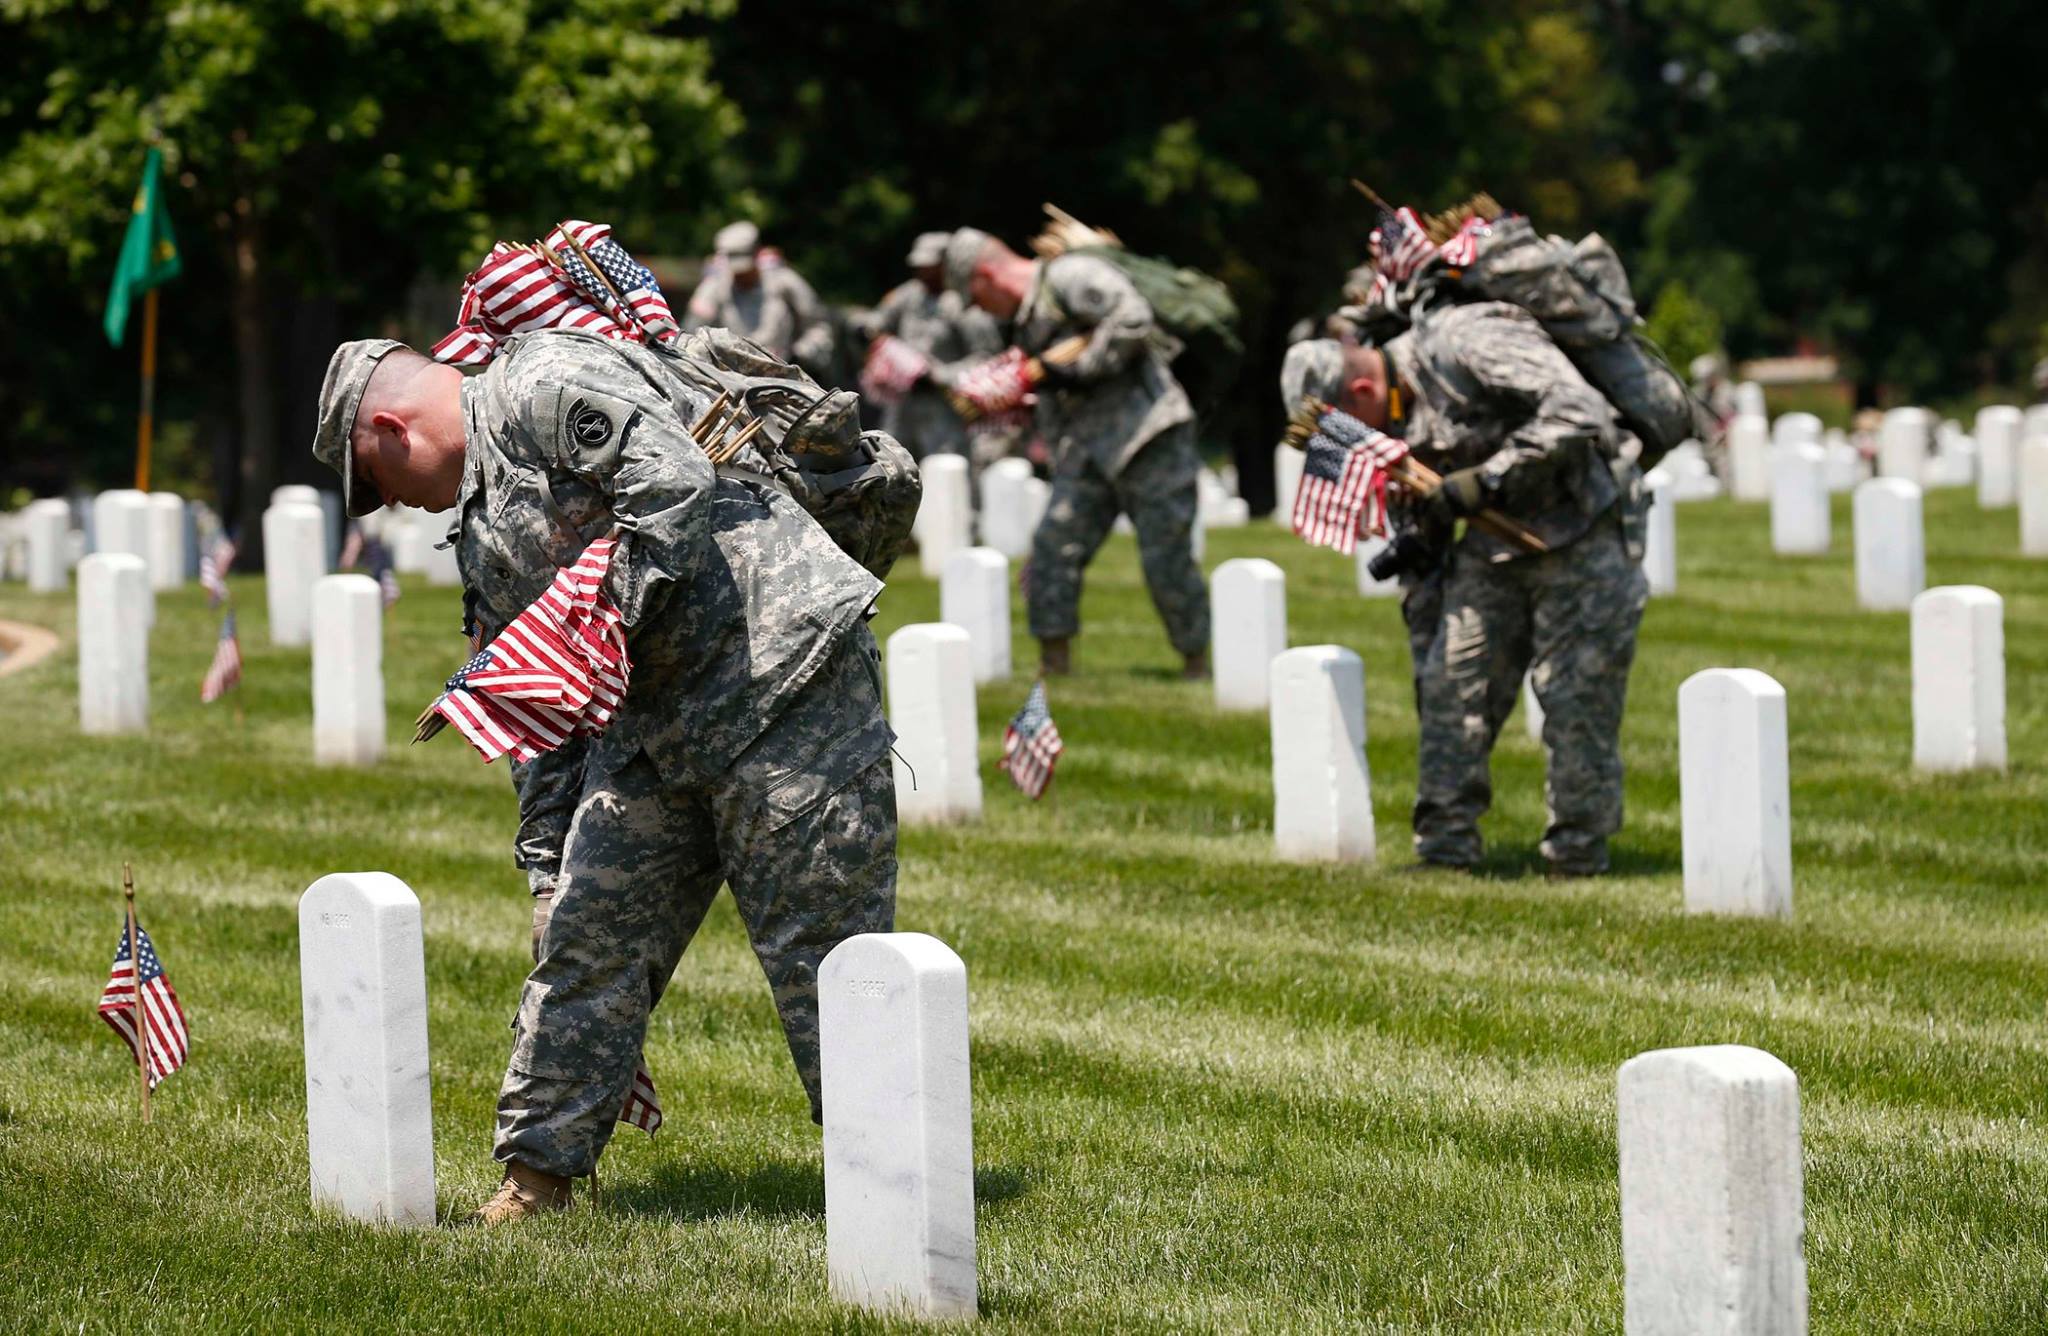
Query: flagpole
x=144, y=429
x=135, y=971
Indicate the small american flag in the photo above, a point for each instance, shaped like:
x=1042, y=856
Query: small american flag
x=1002, y=384
x=162, y=1018
x=213, y=570
x=1400, y=245
x=518, y=289
x=1031, y=745
x=1463, y=248
x=643, y=1106
x=892, y=369
x=558, y=669
x=226, y=669
x=1344, y=482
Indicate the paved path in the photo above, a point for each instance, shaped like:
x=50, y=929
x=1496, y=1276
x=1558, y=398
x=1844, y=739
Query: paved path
x=24, y=646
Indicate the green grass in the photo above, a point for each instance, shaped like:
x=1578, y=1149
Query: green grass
x=1211, y=1091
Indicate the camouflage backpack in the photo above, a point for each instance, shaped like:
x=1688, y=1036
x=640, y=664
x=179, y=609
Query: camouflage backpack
x=860, y=486
x=1197, y=311
x=1580, y=295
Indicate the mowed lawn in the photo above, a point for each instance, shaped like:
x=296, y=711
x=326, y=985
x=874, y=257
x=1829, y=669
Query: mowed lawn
x=1212, y=1091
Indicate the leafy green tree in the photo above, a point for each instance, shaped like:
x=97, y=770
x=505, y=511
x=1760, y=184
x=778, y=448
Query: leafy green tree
x=1682, y=325
x=320, y=157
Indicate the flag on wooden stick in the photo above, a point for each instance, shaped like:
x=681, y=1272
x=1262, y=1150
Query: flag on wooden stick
x=226, y=669
x=162, y=1020
x=1032, y=746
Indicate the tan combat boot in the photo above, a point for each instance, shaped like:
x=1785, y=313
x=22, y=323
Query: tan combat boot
x=525, y=1192
x=1195, y=667
x=1055, y=657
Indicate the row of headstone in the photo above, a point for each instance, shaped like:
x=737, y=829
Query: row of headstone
x=1013, y=500
x=894, y=1064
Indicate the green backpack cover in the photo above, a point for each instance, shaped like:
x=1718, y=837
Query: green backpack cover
x=1195, y=309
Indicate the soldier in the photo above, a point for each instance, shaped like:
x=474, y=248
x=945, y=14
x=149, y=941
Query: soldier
x=937, y=322
x=751, y=749
x=757, y=296
x=1120, y=429
x=1482, y=395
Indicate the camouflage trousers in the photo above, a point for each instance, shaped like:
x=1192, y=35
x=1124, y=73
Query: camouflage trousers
x=1568, y=620
x=1157, y=490
x=802, y=827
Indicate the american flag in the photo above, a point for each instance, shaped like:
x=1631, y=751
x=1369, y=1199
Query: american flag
x=226, y=669
x=892, y=369
x=1463, y=248
x=162, y=1017
x=1031, y=745
x=643, y=1106
x=1400, y=245
x=213, y=570
x=558, y=669
x=1343, y=482
x=518, y=289
x=1002, y=384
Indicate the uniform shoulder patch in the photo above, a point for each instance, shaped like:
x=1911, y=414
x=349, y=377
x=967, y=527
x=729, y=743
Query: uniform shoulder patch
x=586, y=427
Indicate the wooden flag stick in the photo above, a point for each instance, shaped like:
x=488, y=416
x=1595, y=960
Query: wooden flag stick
x=145, y=427
x=135, y=974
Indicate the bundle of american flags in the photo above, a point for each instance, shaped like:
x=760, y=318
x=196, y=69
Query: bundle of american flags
x=1404, y=242
x=578, y=277
x=162, y=1019
x=1031, y=745
x=226, y=669
x=1002, y=384
x=892, y=369
x=558, y=669
x=1343, y=488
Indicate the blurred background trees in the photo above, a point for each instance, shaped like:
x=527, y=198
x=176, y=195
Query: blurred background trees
x=1778, y=173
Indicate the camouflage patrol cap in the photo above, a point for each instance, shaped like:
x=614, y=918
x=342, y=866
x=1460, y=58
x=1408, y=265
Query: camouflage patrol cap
x=1312, y=367
x=963, y=252
x=929, y=249
x=341, y=394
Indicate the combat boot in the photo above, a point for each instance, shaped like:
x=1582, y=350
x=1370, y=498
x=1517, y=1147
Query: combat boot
x=1195, y=667
x=525, y=1192
x=1055, y=657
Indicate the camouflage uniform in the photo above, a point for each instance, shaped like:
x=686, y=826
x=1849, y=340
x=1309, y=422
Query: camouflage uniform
x=751, y=749
x=953, y=334
x=1122, y=435
x=780, y=312
x=1493, y=392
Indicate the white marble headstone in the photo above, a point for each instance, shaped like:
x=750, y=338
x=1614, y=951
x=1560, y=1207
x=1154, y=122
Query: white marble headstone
x=442, y=570
x=931, y=707
x=113, y=643
x=1007, y=516
x=120, y=524
x=1322, y=794
x=1891, y=545
x=1799, y=500
x=369, y=1106
x=296, y=494
x=1845, y=464
x=1287, y=465
x=1998, y=455
x=1749, y=398
x=47, y=524
x=348, y=670
x=294, y=556
x=1903, y=444
x=166, y=540
x=974, y=595
x=2034, y=496
x=1959, y=679
x=1712, y=1194
x=945, y=513
x=1735, y=799
x=1660, y=539
x=1749, y=458
x=899, y=1125
x=1795, y=429
x=1247, y=627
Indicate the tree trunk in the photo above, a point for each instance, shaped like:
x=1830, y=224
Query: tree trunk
x=255, y=377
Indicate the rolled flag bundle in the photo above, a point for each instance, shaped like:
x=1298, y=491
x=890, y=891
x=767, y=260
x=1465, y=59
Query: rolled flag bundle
x=892, y=368
x=557, y=670
x=1391, y=458
x=578, y=277
x=1005, y=383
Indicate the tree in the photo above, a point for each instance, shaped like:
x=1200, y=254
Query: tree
x=321, y=156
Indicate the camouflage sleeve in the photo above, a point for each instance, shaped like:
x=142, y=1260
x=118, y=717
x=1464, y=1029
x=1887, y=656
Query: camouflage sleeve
x=981, y=334
x=549, y=787
x=1097, y=296
x=703, y=307
x=596, y=411
x=1564, y=423
x=887, y=317
x=812, y=324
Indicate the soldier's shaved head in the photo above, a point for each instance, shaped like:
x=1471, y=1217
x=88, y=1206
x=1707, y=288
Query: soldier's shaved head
x=408, y=437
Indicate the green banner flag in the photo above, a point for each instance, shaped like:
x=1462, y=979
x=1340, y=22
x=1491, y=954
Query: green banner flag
x=149, y=253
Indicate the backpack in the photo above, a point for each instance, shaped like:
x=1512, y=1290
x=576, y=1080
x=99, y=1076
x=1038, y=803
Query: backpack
x=1580, y=295
x=1195, y=309
x=862, y=487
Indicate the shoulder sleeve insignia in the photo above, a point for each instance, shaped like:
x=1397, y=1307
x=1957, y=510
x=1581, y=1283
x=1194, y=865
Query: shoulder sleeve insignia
x=587, y=425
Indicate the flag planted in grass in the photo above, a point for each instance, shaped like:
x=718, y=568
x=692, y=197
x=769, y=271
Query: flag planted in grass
x=1031, y=745
x=226, y=669
x=558, y=669
x=162, y=1019
x=213, y=570
x=643, y=1106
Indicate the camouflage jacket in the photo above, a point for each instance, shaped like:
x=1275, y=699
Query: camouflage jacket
x=954, y=334
x=1122, y=393
x=732, y=595
x=781, y=313
x=1492, y=391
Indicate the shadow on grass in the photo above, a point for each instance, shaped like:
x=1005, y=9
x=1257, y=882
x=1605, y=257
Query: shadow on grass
x=784, y=1188
x=1517, y=862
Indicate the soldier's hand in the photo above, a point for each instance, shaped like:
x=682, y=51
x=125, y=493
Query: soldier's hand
x=543, y=910
x=1055, y=374
x=1461, y=493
